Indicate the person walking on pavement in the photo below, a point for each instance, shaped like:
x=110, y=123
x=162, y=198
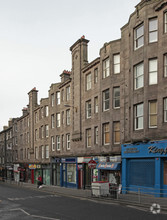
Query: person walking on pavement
x=39, y=181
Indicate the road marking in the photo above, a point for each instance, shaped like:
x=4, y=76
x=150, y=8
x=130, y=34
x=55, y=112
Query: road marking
x=35, y=216
x=138, y=208
x=32, y=197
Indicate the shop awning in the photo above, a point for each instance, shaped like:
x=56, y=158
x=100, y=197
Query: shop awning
x=108, y=166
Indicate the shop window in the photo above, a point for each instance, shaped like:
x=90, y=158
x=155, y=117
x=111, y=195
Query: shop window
x=71, y=173
x=139, y=37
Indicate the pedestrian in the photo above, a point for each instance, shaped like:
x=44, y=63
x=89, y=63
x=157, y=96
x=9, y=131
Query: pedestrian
x=39, y=181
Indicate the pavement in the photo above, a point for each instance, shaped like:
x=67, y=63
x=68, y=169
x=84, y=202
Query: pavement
x=138, y=200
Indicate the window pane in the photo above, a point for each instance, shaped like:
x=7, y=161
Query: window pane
x=139, y=37
x=152, y=37
x=153, y=120
x=153, y=25
x=165, y=65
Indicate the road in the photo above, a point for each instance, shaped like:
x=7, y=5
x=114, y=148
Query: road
x=28, y=204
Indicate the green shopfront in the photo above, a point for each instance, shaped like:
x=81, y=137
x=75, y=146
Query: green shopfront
x=144, y=167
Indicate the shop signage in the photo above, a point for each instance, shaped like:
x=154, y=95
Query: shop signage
x=92, y=164
x=133, y=150
x=154, y=150
x=32, y=166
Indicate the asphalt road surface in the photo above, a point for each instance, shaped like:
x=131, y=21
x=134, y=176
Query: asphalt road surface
x=28, y=204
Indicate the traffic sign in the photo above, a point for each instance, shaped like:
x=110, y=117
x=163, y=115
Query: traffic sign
x=92, y=164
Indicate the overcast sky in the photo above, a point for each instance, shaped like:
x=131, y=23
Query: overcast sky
x=35, y=37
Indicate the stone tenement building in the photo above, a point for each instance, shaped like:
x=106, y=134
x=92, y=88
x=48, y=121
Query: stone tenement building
x=118, y=98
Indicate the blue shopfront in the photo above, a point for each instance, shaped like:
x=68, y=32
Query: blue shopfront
x=144, y=168
x=69, y=172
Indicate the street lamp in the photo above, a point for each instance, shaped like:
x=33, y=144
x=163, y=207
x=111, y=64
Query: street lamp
x=68, y=106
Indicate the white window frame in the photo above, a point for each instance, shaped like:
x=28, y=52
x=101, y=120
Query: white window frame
x=106, y=68
x=58, y=98
x=46, y=110
x=43, y=151
x=106, y=100
x=165, y=65
x=152, y=114
x=106, y=130
x=116, y=63
x=58, y=142
x=139, y=76
x=116, y=97
x=53, y=143
x=165, y=22
x=47, y=151
x=68, y=93
x=116, y=131
x=88, y=81
x=165, y=109
x=57, y=120
x=96, y=134
x=52, y=99
x=153, y=31
x=88, y=109
x=62, y=139
x=46, y=130
x=96, y=104
x=95, y=75
x=88, y=137
x=153, y=71
x=52, y=121
x=68, y=141
x=138, y=37
x=68, y=117
x=139, y=116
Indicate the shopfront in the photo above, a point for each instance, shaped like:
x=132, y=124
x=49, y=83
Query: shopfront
x=69, y=172
x=109, y=171
x=56, y=171
x=144, y=168
x=46, y=173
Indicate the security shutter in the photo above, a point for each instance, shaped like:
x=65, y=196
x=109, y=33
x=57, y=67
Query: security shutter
x=141, y=172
